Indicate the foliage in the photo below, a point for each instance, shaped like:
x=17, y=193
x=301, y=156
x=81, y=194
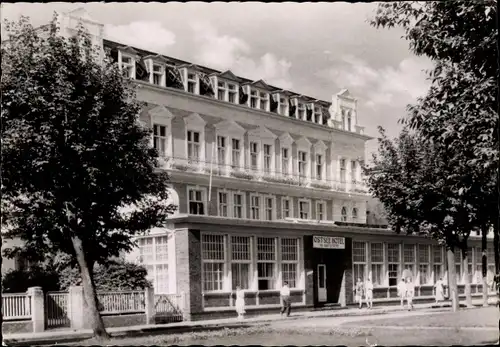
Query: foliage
x=242, y=174
x=18, y=281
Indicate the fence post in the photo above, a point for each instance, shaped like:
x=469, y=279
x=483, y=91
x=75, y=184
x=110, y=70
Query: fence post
x=37, y=308
x=76, y=308
x=186, y=311
x=149, y=304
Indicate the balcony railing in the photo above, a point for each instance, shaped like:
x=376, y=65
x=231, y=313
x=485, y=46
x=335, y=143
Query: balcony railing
x=247, y=173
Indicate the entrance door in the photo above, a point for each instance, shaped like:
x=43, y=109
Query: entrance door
x=321, y=283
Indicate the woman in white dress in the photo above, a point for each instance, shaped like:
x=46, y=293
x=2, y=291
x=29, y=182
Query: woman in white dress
x=439, y=290
x=410, y=293
x=240, y=302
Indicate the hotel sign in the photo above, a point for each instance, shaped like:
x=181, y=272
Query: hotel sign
x=328, y=242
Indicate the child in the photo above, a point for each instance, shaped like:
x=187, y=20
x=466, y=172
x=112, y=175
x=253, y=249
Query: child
x=369, y=293
x=240, y=302
x=410, y=292
x=402, y=291
x=439, y=290
x=359, y=292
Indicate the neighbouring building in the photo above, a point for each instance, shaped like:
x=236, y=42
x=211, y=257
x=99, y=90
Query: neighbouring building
x=269, y=189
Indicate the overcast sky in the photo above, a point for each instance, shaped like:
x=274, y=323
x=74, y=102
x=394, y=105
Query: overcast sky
x=312, y=49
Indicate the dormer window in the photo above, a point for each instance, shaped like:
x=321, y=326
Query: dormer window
x=259, y=100
x=191, y=82
x=231, y=93
x=253, y=99
x=301, y=111
x=226, y=91
x=348, y=120
x=127, y=66
x=264, y=101
x=158, y=74
x=317, y=115
x=283, y=107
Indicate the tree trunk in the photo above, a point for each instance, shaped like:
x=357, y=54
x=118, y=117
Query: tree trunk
x=465, y=264
x=452, y=279
x=484, y=264
x=89, y=292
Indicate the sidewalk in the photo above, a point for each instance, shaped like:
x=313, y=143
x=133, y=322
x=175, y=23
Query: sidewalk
x=68, y=335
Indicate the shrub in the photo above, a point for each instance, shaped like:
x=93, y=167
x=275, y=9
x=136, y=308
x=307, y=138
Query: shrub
x=18, y=281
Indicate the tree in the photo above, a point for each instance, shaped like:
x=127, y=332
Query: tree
x=79, y=176
x=461, y=107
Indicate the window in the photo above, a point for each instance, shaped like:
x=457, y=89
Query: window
x=221, y=91
x=191, y=83
x=438, y=269
x=409, y=258
x=289, y=261
x=285, y=161
x=359, y=261
x=154, y=255
x=253, y=99
x=193, y=138
x=158, y=73
x=342, y=171
x=423, y=264
x=470, y=270
x=353, y=171
x=241, y=260
x=302, y=163
x=458, y=265
x=283, y=106
x=223, y=204
x=267, y=158
x=213, y=258
x=377, y=259
x=231, y=93
x=236, y=153
x=343, y=120
x=269, y=208
x=255, y=206
x=196, y=202
x=160, y=139
x=238, y=205
x=320, y=211
x=301, y=111
x=254, y=151
x=128, y=66
x=266, y=263
x=393, y=263
x=304, y=211
x=221, y=150
x=319, y=167
x=349, y=120
x=264, y=100
x=259, y=100
x=343, y=212
x=478, y=276
x=317, y=115
x=287, y=207
x=354, y=214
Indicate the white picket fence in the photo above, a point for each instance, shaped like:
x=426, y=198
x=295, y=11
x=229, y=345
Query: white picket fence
x=120, y=302
x=16, y=306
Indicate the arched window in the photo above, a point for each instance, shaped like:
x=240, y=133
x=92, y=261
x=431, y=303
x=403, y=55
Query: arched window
x=348, y=121
x=344, y=214
x=354, y=214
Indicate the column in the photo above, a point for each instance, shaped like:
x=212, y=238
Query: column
x=37, y=308
x=149, y=300
x=342, y=297
x=76, y=308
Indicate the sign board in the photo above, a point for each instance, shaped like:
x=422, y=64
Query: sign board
x=328, y=242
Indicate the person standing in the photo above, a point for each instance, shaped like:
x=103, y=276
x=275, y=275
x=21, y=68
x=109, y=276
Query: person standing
x=240, y=302
x=358, y=292
x=285, y=299
x=402, y=291
x=439, y=290
x=410, y=293
x=369, y=293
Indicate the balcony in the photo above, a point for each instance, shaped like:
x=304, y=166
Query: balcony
x=253, y=174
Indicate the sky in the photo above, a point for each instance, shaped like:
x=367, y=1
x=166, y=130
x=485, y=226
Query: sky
x=315, y=49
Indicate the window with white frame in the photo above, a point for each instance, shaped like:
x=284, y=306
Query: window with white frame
x=359, y=260
x=349, y=121
x=194, y=145
x=317, y=115
x=269, y=202
x=221, y=150
x=424, y=264
x=128, y=66
x=196, y=201
x=393, y=263
x=266, y=263
x=283, y=106
x=192, y=81
x=238, y=205
x=304, y=209
x=158, y=73
x=267, y=158
x=377, y=263
x=319, y=167
x=255, y=206
x=437, y=259
x=302, y=156
x=221, y=91
x=458, y=265
x=409, y=258
x=232, y=93
x=301, y=110
x=478, y=275
x=285, y=161
x=241, y=261
x=342, y=171
x=160, y=139
x=289, y=261
x=254, y=99
x=254, y=155
x=343, y=214
x=470, y=269
x=286, y=206
x=154, y=256
x=223, y=204
x=320, y=210
x=236, y=153
x=264, y=101
x=213, y=259
x=353, y=171
x=354, y=214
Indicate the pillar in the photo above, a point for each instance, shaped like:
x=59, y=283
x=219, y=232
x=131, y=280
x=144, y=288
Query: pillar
x=343, y=299
x=149, y=305
x=76, y=308
x=37, y=308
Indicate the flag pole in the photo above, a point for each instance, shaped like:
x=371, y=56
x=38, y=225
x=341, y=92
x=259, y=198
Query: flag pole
x=211, y=170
